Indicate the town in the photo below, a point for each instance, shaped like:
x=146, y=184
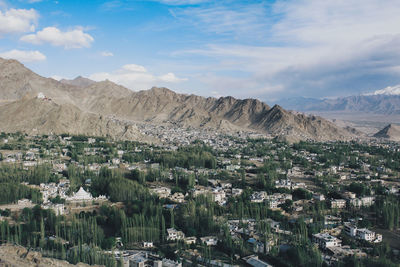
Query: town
x=201, y=198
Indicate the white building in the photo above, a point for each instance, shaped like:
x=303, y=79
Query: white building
x=148, y=244
x=362, y=202
x=256, y=262
x=325, y=240
x=209, y=240
x=170, y=263
x=367, y=201
x=57, y=208
x=258, y=197
x=338, y=203
x=319, y=197
x=350, y=229
x=174, y=234
x=81, y=195
x=190, y=240
x=365, y=234
x=219, y=196
x=273, y=204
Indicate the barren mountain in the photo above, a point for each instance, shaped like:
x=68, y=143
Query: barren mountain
x=86, y=107
x=160, y=105
x=390, y=132
x=44, y=116
x=79, y=82
x=16, y=81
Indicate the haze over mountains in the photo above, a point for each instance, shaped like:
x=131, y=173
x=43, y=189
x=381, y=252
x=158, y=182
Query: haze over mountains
x=384, y=101
x=82, y=106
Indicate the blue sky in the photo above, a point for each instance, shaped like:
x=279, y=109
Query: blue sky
x=262, y=49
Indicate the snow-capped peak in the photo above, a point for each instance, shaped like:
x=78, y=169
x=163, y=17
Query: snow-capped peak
x=390, y=90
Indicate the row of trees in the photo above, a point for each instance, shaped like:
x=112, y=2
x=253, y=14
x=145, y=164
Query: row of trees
x=12, y=192
x=79, y=239
x=16, y=174
x=388, y=212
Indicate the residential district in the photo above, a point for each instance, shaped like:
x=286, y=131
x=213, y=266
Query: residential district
x=201, y=198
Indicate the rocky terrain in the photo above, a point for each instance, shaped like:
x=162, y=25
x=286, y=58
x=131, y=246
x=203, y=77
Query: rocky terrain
x=82, y=106
x=17, y=256
x=78, y=81
x=44, y=116
x=390, y=132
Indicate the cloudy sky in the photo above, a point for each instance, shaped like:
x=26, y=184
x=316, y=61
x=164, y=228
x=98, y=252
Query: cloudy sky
x=263, y=49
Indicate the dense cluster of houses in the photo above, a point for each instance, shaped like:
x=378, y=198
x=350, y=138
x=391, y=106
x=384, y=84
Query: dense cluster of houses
x=292, y=177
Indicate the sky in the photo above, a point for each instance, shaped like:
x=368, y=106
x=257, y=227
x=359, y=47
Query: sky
x=242, y=48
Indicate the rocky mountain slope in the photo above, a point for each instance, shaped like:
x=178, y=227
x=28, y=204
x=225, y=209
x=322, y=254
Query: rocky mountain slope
x=16, y=81
x=390, y=132
x=105, y=108
x=44, y=116
x=161, y=105
x=78, y=81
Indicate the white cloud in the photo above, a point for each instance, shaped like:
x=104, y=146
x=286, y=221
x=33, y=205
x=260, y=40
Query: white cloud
x=309, y=47
x=136, y=77
x=239, y=20
x=69, y=39
x=132, y=68
x=107, y=54
x=18, y=20
x=171, y=78
x=23, y=56
x=57, y=77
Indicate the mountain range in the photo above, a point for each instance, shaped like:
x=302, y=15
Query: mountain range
x=384, y=101
x=34, y=104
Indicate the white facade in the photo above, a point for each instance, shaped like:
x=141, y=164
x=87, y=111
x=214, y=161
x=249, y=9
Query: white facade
x=174, y=234
x=338, y=203
x=326, y=240
x=148, y=244
x=209, y=240
x=258, y=197
x=350, y=229
x=319, y=197
x=365, y=234
x=190, y=240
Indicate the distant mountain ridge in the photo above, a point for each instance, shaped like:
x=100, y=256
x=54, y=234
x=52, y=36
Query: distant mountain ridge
x=78, y=81
x=379, y=102
x=105, y=108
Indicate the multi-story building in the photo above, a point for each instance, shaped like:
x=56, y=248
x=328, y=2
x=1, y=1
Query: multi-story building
x=174, y=234
x=338, y=203
x=362, y=234
x=350, y=229
x=365, y=234
x=325, y=240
